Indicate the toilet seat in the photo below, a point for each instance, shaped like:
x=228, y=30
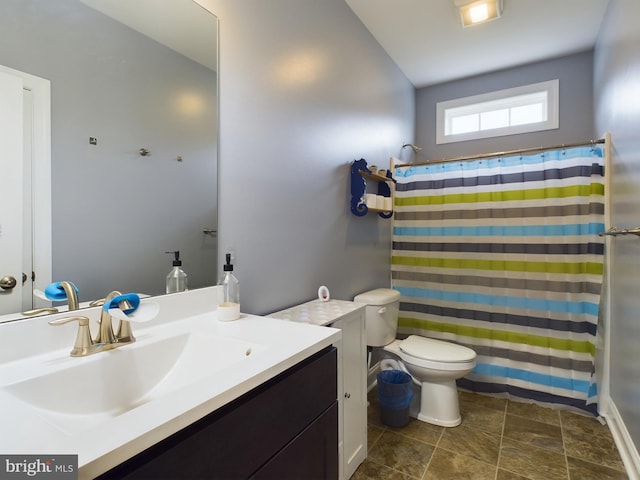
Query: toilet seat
x=436, y=350
x=433, y=354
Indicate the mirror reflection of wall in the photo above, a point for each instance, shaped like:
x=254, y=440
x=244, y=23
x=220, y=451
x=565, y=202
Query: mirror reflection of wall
x=114, y=211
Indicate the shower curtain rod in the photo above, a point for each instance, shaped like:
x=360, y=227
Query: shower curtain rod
x=500, y=154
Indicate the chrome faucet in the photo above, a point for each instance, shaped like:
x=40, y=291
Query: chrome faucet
x=105, y=338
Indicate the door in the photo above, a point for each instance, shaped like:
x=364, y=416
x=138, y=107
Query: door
x=25, y=186
x=11, y=189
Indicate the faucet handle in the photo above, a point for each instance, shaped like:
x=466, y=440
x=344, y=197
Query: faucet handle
x=97, y=303
x=38, y=311
x=82, y=321
x=84, y=344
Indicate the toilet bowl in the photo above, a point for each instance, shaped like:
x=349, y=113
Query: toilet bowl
x=434, y=365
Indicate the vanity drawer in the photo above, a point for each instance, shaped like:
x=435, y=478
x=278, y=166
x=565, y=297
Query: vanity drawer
x=310, y=455
x=292, y=412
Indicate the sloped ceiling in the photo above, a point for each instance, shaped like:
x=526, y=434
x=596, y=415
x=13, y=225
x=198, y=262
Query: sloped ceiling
x=182, y=25
x=428, y=43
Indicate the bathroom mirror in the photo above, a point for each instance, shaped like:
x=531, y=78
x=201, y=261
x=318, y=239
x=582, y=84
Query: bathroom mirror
x=134, y=102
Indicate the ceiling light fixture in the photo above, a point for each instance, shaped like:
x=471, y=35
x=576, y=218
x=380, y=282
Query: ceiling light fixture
x=473, y=12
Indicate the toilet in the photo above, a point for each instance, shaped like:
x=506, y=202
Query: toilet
x=434, y=365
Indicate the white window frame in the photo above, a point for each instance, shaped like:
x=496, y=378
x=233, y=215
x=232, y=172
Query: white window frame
x=510, y=97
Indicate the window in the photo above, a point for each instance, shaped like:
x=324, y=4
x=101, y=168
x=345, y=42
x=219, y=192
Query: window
x=529, y=108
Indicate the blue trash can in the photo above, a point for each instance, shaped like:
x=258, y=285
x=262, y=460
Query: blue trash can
x=395, y=392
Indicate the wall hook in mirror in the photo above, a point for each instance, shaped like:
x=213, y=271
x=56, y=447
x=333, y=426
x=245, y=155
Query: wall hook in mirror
x=416, y=149
x=144, y=152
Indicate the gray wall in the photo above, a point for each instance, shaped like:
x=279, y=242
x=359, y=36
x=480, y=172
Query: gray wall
x=576, y=107
x=617, y=110
x=304, y=90
x=115, y=213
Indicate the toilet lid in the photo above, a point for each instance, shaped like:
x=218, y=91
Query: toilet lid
x=436, y=350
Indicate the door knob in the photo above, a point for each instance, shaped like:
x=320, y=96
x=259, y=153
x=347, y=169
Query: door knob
x=8, y=282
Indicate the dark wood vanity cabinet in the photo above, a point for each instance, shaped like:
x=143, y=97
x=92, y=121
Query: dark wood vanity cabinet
x=287, y=428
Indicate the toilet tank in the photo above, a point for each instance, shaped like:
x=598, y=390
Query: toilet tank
x=381, y=315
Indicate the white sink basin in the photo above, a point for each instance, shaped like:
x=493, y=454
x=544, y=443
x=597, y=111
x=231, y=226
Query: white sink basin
x=107, y=384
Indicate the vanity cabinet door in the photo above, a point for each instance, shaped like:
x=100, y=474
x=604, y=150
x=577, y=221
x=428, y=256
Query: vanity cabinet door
x=310, y=455
x=288, y=415
x=354, y=391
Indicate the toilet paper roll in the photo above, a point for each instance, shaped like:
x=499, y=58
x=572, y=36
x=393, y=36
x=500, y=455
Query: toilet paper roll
x=370, y=200
x=388, y=204
x=323, y=294
x=379, y=202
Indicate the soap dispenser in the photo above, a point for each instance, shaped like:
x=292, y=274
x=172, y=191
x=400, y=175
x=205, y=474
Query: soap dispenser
x=177, y=279
x=229, y=300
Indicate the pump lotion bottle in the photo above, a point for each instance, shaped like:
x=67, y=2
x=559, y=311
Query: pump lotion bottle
x=229, y=301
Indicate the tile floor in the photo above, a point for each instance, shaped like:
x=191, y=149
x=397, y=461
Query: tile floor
x=499, y=439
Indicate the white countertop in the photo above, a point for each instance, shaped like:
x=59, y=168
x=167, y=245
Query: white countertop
x=107, y=442
x=318, y=312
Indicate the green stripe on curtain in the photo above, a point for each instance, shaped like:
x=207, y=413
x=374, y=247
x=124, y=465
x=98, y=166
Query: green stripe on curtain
x=503, y=195
x=501, y=335
x=501, y=265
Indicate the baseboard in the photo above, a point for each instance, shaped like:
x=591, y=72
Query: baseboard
x=626, y=447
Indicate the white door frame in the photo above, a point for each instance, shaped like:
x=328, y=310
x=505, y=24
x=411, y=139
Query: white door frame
x=41, y=180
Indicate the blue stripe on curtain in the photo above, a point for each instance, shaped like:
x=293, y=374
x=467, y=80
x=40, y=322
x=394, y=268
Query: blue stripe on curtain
x=557, y=173
x=482, y=257
x=522, y=161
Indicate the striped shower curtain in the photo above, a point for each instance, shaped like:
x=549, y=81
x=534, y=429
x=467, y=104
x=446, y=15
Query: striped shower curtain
x=503, y=255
